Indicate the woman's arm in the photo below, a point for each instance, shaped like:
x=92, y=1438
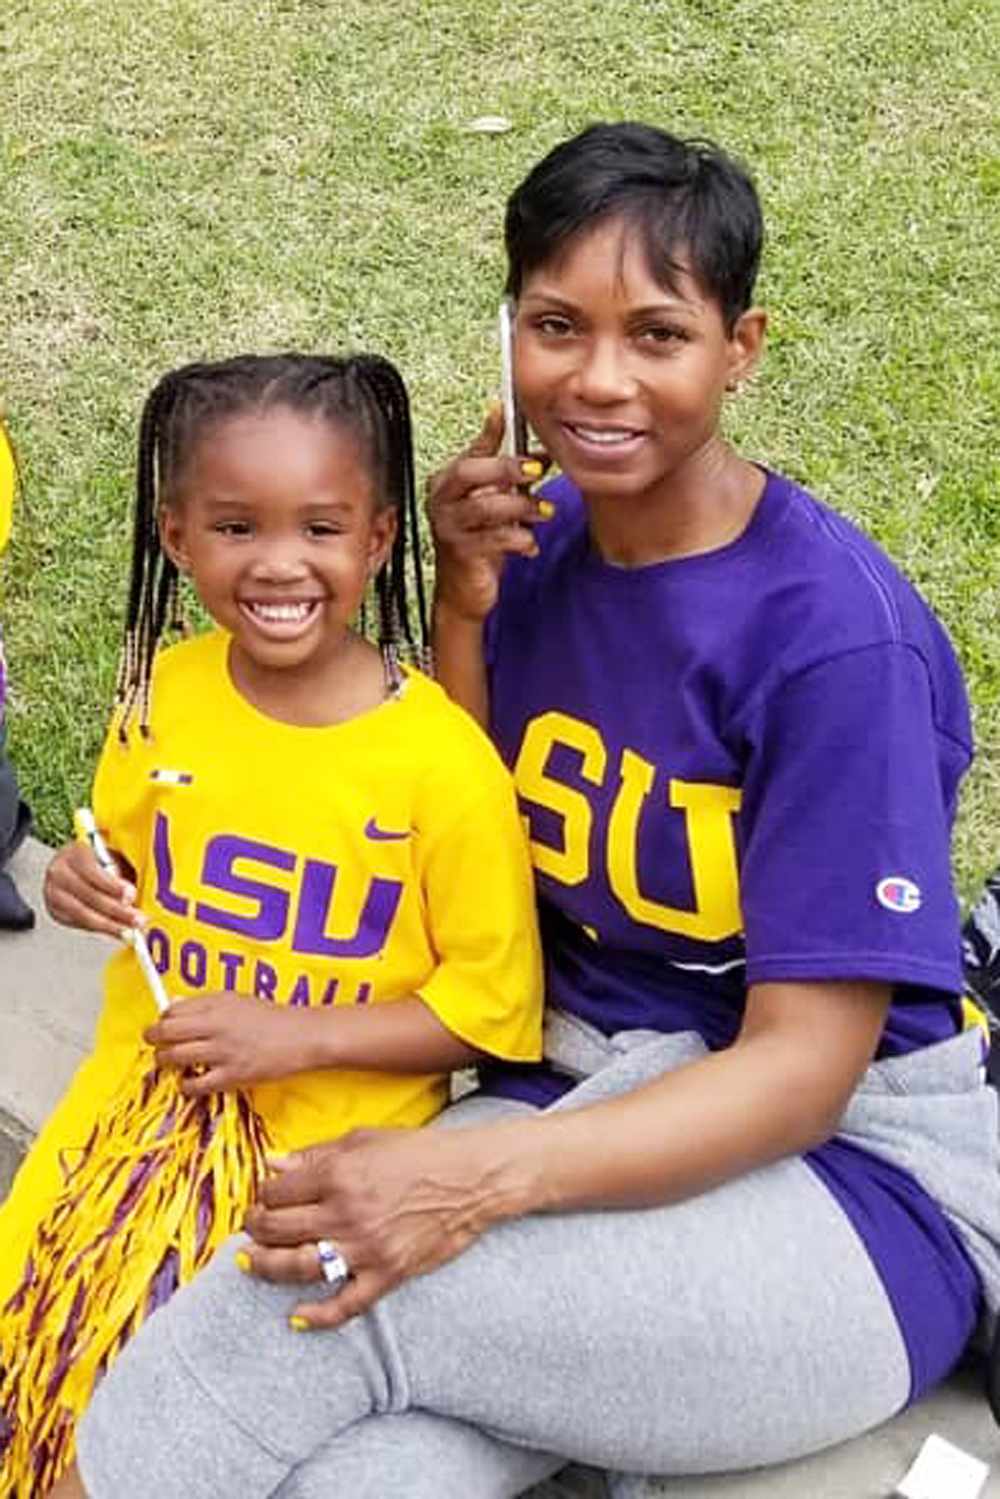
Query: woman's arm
x=478, y=515
x=400, y=1205
x=778, y=1091
x=459, y=660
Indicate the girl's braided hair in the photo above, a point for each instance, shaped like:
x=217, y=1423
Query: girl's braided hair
x=362, y=393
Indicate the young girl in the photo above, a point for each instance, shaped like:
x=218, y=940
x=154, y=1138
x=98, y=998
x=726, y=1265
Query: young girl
x=750, y=1204
x=323, y=851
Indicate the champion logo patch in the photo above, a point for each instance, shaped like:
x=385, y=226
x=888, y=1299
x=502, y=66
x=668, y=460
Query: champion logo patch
x=897, y=893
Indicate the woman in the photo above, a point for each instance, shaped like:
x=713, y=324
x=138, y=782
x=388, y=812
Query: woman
x=710, y=1232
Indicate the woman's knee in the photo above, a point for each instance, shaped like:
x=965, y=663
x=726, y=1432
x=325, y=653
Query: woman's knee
x=417, y=1456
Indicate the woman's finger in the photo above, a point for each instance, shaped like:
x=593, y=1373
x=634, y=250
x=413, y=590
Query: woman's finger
x=490, y=435
x=295, y=1266
x=503, y=540
x=278, y=1228
x=301, y=1177
x=454, y=483
x=360, y=1292
x=487, y=507
x=449, y=487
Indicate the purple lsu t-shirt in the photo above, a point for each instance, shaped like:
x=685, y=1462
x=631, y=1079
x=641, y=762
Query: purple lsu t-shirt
x=735, y=768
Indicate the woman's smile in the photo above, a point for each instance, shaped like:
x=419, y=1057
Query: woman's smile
x=602, y=443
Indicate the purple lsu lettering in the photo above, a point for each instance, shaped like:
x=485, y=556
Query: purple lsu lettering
x=269, y=922
x=237, y=867
x=233, y=972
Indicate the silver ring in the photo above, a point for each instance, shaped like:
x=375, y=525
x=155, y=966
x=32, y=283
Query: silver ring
x=333, y=1266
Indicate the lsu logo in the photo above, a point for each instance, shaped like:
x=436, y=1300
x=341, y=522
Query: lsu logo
x=897, y=893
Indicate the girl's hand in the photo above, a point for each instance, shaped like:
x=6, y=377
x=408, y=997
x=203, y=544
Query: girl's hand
x=480, y=511
x=233, y=1040
x=396, y=1203
x=79, y=893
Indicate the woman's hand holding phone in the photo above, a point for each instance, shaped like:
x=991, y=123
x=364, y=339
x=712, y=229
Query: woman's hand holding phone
x=479, y=504
x=480, y=510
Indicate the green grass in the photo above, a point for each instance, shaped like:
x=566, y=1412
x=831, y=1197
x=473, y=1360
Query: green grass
x=187, y=179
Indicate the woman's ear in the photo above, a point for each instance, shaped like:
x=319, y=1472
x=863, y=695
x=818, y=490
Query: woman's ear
x=745, y=345
x=170, y=523
x=383, y=534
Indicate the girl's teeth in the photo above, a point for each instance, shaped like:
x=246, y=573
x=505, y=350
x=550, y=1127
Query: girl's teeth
x=281, y=613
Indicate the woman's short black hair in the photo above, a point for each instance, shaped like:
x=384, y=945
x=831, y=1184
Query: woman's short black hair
x=689, y=202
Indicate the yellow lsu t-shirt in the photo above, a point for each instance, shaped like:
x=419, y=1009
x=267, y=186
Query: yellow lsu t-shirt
x=343, y=865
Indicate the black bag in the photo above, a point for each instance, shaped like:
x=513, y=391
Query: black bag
x=15, y=824
x=981, y=955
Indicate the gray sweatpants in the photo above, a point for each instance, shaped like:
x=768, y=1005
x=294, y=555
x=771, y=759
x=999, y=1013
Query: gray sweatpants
x=740, y=1328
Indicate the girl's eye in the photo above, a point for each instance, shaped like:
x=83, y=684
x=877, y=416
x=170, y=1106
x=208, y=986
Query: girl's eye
x=232, y=527
x=321, y=528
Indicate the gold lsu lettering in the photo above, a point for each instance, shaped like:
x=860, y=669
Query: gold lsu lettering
x=708, y=821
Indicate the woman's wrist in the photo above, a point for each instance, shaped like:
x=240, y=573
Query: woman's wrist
x=459, y=655
x=504, y=1182
x=451, y=611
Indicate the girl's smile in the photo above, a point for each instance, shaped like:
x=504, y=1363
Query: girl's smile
x=285, y=621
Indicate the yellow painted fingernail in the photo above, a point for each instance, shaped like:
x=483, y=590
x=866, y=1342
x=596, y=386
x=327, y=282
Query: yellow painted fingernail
x=243, y=1261
x=298, y=1324
x=546, y=510
x=532, y=469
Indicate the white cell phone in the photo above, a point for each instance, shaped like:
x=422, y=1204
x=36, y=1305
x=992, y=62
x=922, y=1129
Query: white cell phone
x=515, y=428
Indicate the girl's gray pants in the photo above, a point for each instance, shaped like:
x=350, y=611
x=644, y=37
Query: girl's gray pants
x=740, y=1328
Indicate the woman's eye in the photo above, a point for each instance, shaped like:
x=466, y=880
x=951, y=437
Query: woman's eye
x=661, y=333
x=553, y=326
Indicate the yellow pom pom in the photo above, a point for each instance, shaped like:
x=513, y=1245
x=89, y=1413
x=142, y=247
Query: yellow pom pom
x=163, y=1181
x=8, y=484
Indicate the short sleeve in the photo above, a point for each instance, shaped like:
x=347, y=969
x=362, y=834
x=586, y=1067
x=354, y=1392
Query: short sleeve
x=480, y=908
x=845, y=870
x=120, y=795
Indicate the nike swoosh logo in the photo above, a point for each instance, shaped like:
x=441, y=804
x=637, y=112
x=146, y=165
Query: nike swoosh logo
x=382, y=835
